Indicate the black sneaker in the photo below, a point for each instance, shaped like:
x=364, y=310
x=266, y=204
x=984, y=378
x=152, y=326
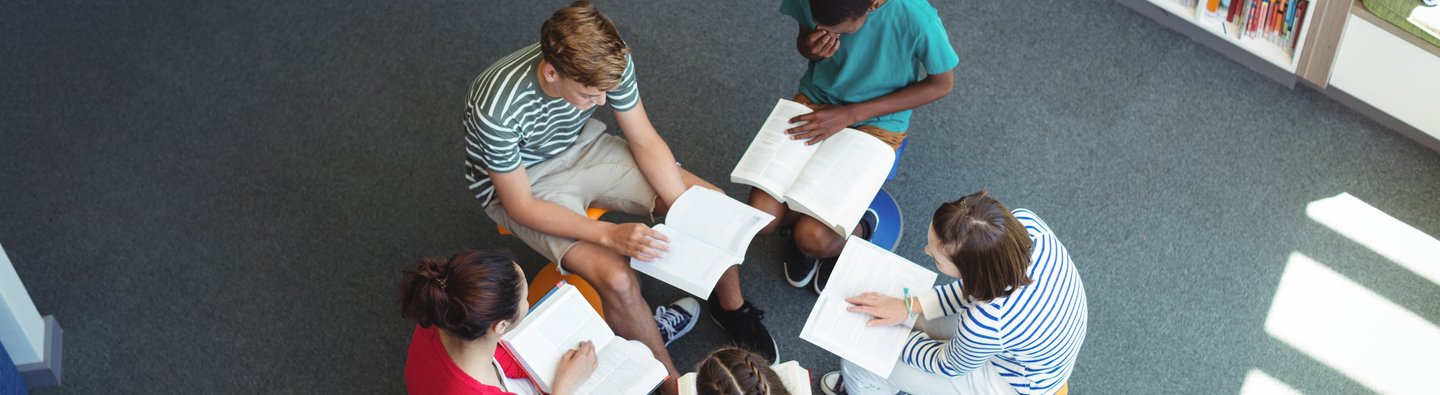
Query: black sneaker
x=799, y=269
x=745, y=328
x=822, y=275
x=868, y=222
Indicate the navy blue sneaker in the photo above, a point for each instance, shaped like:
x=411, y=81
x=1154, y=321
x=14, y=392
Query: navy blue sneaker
x=676, y=319
x=799, y=269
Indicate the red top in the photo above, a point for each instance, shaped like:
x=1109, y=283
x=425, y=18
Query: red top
x=429, y=369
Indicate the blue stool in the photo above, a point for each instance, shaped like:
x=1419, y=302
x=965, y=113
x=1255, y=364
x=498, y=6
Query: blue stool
x=895, y=168
x=11, y=383
x=891, y=225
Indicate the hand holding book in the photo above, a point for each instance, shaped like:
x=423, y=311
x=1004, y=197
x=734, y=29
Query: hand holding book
x=636, y=241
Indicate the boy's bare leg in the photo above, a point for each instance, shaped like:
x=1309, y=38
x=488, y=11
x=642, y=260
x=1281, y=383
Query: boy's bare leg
x=626, y=311
x=764, y=202
x=817, y=240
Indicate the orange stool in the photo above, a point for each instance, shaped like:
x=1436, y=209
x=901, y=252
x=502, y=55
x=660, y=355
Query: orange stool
x=1064, y=389
x=549, y=275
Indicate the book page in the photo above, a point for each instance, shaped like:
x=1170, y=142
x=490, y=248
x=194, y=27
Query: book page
x=691, y=265
x=558, y=324
x=863, y=267
x=625, y=367
x=686, y=384
x=794, y=377
x=841, y=179
x=773, y=160
x=717, y=219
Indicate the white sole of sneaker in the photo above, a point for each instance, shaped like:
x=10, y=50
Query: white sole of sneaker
x=804, y=281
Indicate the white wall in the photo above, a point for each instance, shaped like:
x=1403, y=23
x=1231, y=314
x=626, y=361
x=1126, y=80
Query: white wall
x=1390, y=74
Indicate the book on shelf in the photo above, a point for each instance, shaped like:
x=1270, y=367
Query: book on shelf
x=709, y=232
x=558, y=323
x=1278, y=22
x=833, y=181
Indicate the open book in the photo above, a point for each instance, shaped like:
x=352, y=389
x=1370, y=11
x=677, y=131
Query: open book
x=708, y=233
x=558, y=323
x=864, y=267
x=832, y=181
x=796, y=379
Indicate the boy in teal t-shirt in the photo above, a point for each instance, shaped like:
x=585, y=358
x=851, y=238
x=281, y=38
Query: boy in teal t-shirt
x=870, y=63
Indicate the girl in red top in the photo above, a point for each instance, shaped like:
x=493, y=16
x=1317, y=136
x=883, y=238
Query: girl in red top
x=461, y=307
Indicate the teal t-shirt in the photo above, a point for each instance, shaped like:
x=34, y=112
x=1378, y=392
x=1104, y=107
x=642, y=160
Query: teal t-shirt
x=901, y=42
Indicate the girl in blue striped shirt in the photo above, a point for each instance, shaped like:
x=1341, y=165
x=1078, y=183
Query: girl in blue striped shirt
x=1012, y=324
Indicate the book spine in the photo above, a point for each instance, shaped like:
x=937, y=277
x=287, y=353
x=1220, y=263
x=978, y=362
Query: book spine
x=1299, y=23
x=558, y=285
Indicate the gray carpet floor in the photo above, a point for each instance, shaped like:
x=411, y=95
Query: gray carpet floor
x=219, y=197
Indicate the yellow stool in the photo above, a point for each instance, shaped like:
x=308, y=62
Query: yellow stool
x=549, y=275
x=1064, y=388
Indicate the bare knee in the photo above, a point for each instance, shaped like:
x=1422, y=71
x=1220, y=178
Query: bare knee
x=816, y=240
x=764, y=202
x=616, y=281
x=605, y=270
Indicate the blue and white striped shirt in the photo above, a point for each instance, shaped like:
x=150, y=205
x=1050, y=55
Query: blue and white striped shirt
x=1031, y=336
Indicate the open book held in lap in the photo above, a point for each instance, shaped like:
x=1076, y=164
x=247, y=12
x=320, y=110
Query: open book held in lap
x=864, y=267
x=832, y=181
x=708, y=233
x=558, y=323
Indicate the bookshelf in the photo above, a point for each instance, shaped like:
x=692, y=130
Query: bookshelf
x=1343, y=51
x=1264, y=56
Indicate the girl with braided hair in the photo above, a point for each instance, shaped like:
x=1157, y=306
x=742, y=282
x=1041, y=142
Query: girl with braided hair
x=734, y=371
x=461, y=306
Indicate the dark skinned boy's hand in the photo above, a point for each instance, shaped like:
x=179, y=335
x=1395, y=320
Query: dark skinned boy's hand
x=824, y=122
x=819, y=44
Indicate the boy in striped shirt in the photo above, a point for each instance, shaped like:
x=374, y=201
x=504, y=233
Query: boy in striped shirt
x=537, y=161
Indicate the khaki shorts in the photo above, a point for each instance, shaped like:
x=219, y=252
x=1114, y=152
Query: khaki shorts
x=597, y=171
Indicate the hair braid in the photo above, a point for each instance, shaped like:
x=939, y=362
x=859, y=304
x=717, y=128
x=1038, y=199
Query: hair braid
x=739, y=372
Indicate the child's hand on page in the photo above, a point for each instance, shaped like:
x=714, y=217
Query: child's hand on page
x=819, y=125
x=575, y=367
x=637, y=241
x=886, y=310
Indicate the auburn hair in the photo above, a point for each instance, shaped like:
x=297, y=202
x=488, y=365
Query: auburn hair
x=583, y=45
x=985, y=243
x=734, y=371
x=464, y=295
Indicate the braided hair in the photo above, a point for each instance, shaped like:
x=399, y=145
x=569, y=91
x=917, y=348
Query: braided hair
x=733, y=371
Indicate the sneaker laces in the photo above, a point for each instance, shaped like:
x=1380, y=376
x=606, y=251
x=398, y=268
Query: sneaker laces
x=754, y=324
x=670, y=318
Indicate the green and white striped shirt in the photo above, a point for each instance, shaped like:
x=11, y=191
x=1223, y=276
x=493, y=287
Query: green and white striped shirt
x=510, y=122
